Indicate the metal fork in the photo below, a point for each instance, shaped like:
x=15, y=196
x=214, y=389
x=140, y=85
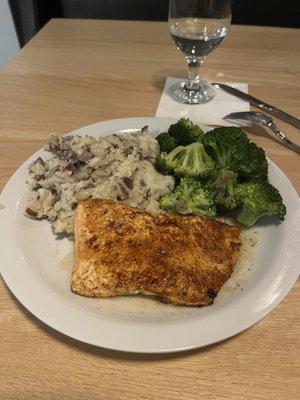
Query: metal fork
x=263, y=119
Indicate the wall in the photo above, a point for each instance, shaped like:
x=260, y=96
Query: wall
x=9, y=45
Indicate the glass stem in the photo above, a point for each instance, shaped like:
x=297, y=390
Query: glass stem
x=194, y=65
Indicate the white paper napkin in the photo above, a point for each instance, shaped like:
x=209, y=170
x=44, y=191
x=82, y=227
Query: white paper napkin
x=211, y=113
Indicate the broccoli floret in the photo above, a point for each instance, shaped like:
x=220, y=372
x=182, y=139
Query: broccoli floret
x=249, y=162
x=182, y=133
x=219, y=142
x=168, y=201
x=222, y=186
x=232, y=150
x=191, y=161
x=166, y=142
x=258, y=199
x=185, y=132
x=190, y=197
x=164, y=164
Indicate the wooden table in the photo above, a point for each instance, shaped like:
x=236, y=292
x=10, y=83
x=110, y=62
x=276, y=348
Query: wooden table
x=76, y=72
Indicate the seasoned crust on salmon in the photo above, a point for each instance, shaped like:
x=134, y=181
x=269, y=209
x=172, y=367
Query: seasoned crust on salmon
x=183, y=260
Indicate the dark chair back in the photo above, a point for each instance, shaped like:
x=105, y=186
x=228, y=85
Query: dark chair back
x=31, y=15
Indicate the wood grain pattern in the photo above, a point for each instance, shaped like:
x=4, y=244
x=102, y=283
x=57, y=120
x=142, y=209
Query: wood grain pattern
x=76, y=72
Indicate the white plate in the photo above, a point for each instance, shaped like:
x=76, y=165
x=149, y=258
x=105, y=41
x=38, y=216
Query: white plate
x=36, y=267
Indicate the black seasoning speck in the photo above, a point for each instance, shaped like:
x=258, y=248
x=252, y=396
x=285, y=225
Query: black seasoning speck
x=212, y=294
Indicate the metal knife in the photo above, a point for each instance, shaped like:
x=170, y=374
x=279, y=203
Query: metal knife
x=259, y=104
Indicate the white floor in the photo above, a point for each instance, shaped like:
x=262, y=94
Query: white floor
x=9, y=45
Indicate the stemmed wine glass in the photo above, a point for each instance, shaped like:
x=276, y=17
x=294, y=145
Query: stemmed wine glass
x=197, y=27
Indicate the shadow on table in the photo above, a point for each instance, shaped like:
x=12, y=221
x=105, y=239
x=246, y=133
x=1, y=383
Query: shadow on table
x=260, y=131
x=98, y=351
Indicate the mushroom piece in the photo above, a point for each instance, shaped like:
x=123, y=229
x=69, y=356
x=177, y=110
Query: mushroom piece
x=85, y=155
x=31, y=212
x=144, y=130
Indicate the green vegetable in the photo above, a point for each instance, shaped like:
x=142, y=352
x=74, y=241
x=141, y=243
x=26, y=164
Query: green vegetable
x=182, y=133
x=190, y=197
x=220, y=142
x=249, y=162
x=222, y=186
x=220, y=170
x=232, y=150
x=185, y=132
x=166, y=142
x=258, y=199
x=191, y=161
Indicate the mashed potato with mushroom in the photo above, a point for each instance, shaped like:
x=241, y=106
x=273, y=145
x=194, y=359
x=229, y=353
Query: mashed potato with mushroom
x=117, y=167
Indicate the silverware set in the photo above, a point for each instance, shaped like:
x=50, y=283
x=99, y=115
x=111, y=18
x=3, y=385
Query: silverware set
x=261, y=118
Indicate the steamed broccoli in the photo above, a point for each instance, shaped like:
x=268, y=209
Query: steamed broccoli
x=182, y=133
x=258, y=199
x=222, y=186
x=185, y=132
x=166, y=142
x=220, y=142
x=190, y=197
x=191, y=161
x=249, y=162
x=232, y=150
x=221, y=170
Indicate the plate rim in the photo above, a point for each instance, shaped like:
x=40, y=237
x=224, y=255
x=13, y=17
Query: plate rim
x=27, y=304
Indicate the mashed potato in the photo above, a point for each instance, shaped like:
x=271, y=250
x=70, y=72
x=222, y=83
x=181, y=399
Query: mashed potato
x=117, y=167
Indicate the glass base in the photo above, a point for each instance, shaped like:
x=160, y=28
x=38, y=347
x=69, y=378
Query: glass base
x=202, y=94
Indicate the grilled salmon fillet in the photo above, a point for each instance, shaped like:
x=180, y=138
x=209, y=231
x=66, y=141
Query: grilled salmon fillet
x=121, y=250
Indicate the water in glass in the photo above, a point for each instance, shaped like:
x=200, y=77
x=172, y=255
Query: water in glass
x=197, y=27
